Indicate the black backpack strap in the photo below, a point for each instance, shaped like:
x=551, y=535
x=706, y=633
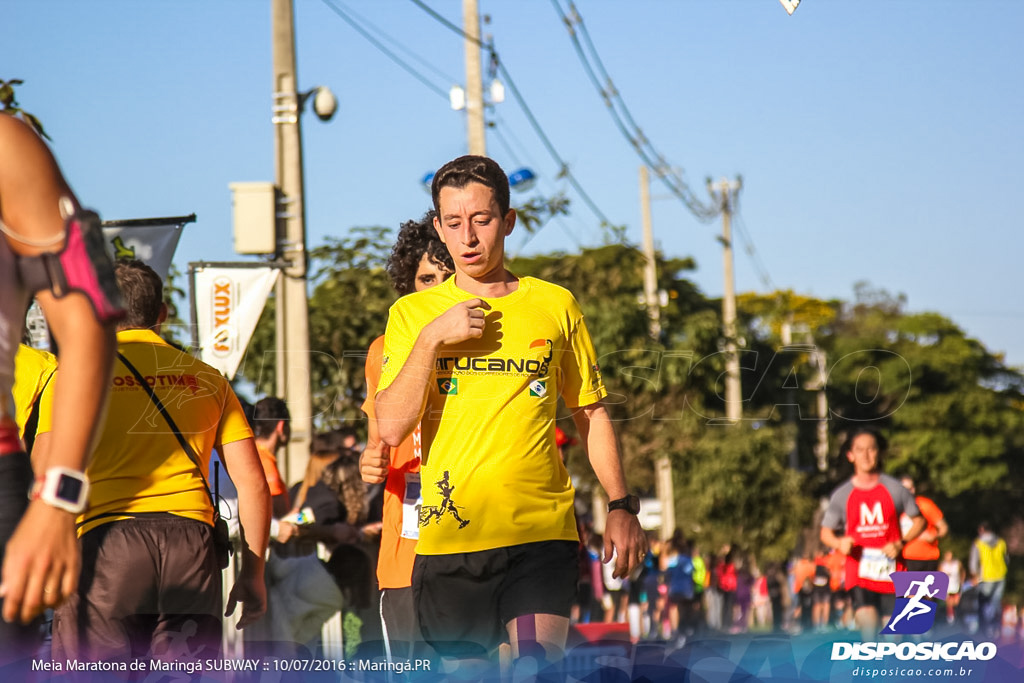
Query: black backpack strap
x=185, y=445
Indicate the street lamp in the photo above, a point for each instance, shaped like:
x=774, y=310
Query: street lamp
x=324, y=102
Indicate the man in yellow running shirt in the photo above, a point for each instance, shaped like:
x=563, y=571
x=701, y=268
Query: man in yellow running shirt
x=480, y=362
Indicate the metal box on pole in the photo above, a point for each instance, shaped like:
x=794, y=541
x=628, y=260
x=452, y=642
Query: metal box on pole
x=254, y=209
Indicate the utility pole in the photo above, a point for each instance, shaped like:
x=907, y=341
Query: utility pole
x=792, y=410
x=291, y=299
x=650, y=267
x=663, y=487
x=726, y=191
x=474, y=79
x=821, y=446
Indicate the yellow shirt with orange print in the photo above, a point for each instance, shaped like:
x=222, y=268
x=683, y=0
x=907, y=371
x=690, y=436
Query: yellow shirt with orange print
x=138, y=465
x=491, y=474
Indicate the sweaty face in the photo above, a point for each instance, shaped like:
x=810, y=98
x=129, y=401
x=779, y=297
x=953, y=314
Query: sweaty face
x=429, y=273
x=864, y=454
x=472, y=227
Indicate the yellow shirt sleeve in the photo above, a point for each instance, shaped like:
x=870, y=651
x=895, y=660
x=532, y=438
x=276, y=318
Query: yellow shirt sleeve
x=581, y=383
x=399, y=337
x=233, y=425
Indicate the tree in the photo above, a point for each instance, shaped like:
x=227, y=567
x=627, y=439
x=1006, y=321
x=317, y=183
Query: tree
x=347, y=311
x=174, y=330
x=734, y=487
x=952, y=408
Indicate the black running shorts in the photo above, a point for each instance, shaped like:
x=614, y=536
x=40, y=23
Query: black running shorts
x=465, y=600
x=862, y=597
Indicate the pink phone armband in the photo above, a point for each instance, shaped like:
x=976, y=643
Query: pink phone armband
x=83, y=265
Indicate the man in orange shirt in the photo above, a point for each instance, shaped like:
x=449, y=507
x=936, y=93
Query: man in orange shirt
x=271, y=430
x=922, y=553
x=418, y=261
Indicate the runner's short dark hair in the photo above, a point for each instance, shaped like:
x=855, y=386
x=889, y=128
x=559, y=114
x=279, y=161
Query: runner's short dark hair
x=883, y=443
x=267, y=413
x=143, y=293
x=472, y=169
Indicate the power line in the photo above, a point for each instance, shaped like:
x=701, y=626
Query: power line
x=384, y=49
x=402, y=47
x=755, y=258
x=563, y=167
x=498, y=133
x=430, y=10
x=623, y=119
x=499, y=130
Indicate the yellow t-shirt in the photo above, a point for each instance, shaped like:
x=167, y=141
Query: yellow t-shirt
x=138, y=465
x=33, y=369
x=491, y=474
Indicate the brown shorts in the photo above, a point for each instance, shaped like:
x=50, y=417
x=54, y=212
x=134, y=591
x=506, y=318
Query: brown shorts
x=150, y=588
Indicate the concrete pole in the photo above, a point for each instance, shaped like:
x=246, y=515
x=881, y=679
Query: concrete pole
x=665, y=490
x=474, y=79
x=650, y=267
x=821, y=446
x=792, y=411
x=663, y=487
x=292, y=322
x=733, y=391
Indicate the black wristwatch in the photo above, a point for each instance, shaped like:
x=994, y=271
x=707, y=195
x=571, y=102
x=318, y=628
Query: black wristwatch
x=630, y=504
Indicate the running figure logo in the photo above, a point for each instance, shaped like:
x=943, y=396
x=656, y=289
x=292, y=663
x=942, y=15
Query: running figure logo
x=917, y=594
x=436, y=512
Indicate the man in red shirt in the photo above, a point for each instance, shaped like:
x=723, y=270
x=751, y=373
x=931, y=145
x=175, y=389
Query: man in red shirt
x=862, y=522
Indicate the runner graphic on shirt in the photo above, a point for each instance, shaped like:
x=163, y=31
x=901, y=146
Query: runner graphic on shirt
x=436, y=512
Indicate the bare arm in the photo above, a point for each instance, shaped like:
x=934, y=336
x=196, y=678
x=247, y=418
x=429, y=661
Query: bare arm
x=242, y=460
x=623, y=533
x=375, y=459
x=400, y=406
x=941, y=528
x=841, y=543
x=42, y=557
x=919, y=525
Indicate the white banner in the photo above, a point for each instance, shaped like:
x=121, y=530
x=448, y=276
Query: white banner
x=153, y=244
x=229, y=302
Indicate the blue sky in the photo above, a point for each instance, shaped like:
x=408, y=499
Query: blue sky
x=877, y=141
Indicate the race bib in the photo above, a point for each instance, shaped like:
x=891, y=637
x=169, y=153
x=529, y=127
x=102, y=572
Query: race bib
x=411, y=505
x=875, y=566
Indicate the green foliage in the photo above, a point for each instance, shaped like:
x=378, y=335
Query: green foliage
x=351, y=632
x=951, y=409
x=347, y=311
x=9, y=105
x=733, y=487
x=536, y=211
x=174, y=330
